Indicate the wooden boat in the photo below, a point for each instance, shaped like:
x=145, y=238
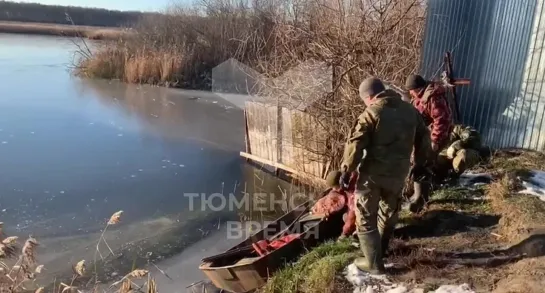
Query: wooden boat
x=241, y=269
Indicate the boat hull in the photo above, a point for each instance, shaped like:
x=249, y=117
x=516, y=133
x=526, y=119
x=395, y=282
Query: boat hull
x=244, y=274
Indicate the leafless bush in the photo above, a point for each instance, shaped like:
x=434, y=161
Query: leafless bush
x=352, y=40
x=313, y=53
x=196, y=39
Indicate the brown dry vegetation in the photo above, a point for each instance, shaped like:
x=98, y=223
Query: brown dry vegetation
x=503, y=243
x=89, y=32
x=18, y=270
x=351, y=39
x=522, y=215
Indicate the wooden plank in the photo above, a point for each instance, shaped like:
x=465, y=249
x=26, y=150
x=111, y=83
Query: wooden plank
x=279, y=137
x=277, y=165
x=254, y=140
x=271, y=137
x=284, y=136
x=247, y=134
x=287, y=143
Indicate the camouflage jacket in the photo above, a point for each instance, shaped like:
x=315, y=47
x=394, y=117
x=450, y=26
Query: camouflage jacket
x=465, y=137
x=433, y=106
x=387, y=130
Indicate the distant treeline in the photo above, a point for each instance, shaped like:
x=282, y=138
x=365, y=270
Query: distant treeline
x=33, y=12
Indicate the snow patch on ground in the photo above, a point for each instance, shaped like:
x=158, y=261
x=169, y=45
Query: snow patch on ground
x=364, y=282
x=534, y=185
x=469, y=179
x=464, y=288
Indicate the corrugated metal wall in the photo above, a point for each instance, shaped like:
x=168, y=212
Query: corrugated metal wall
x=493, y=42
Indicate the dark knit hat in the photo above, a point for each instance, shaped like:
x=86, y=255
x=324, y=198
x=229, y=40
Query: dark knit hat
x=333, y=178
x=415, y=82
x=371, y=86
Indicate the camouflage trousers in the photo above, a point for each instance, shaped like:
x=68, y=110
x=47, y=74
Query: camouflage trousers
x=377, y=206
x=463, y=160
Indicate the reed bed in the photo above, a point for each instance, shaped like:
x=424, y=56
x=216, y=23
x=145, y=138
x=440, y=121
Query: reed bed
x=19, y=268
x=89, y=32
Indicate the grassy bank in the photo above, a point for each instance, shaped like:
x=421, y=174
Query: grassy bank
x=490, y=237
x=89, y=32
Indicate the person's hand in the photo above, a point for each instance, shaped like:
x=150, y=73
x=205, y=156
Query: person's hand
x=345, y=179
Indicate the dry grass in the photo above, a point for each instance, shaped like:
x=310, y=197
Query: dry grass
x=94, y=33
x=20, y=276
x=153, y=67
x=518, y=162
x=353, y=40
x=521, y=214
x=524, y=277
x=520, y=217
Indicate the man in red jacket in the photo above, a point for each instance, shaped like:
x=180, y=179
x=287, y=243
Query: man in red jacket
x=431, y=101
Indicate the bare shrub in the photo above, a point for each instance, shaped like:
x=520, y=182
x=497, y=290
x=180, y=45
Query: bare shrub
x=181, y=47
x=353, y=40
x=312, y=53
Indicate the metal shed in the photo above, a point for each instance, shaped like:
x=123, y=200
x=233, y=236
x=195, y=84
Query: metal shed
x=498, y=44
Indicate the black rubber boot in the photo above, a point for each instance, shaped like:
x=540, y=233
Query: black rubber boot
x=370, y=245
x=421, y=196
x=386, y=236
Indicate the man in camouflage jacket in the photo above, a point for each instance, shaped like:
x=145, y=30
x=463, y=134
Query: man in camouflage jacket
x=387, y=131
x=461, y=153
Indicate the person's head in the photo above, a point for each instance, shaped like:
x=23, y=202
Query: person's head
x=333, y=179
x=415, y=84
x=370, y=88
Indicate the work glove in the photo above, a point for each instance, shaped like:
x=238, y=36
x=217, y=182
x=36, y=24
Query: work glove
x=345, y=180
x=341, y=238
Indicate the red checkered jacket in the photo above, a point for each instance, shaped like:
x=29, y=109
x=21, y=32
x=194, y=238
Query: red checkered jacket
x=432, y=104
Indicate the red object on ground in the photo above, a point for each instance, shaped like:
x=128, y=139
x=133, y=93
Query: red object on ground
x=350, y=190
x=264, y=247
x=333, y=202
x=336, y=199
x=275, y=244
x=349, y=223
x=350, y=216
